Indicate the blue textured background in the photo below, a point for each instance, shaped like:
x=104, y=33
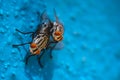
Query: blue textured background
x=91, y=40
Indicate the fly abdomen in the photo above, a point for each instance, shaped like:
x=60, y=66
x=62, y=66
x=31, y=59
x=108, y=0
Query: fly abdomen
x=34, y=48
x=43, y=43
x=38, y=44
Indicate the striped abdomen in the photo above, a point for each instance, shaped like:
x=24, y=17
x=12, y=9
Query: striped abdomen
x=39, y=43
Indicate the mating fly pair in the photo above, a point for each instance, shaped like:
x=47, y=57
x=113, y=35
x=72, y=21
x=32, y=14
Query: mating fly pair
x=47, y=33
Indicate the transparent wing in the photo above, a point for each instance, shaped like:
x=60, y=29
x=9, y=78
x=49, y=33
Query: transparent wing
x=43, y=17
x=59, y=46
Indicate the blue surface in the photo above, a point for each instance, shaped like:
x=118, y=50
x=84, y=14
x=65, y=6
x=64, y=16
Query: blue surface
x=91, y=40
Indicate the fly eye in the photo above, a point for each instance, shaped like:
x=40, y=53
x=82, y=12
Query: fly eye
x=57, y=33
x=33, y=45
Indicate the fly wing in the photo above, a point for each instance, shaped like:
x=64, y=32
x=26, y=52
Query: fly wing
x=43, y=17
x=56, y=17
x=59, y=46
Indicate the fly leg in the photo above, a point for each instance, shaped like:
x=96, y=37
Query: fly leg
x=15, y=45
x=28, y=57
x=32, y=33
x=39, y=57
x=51, y=48
x=24, y=32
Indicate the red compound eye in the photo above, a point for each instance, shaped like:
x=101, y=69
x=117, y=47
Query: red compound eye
x=33, y=45
x=57, y=33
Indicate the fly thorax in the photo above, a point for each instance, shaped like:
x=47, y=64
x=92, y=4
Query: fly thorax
x=45, y=27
